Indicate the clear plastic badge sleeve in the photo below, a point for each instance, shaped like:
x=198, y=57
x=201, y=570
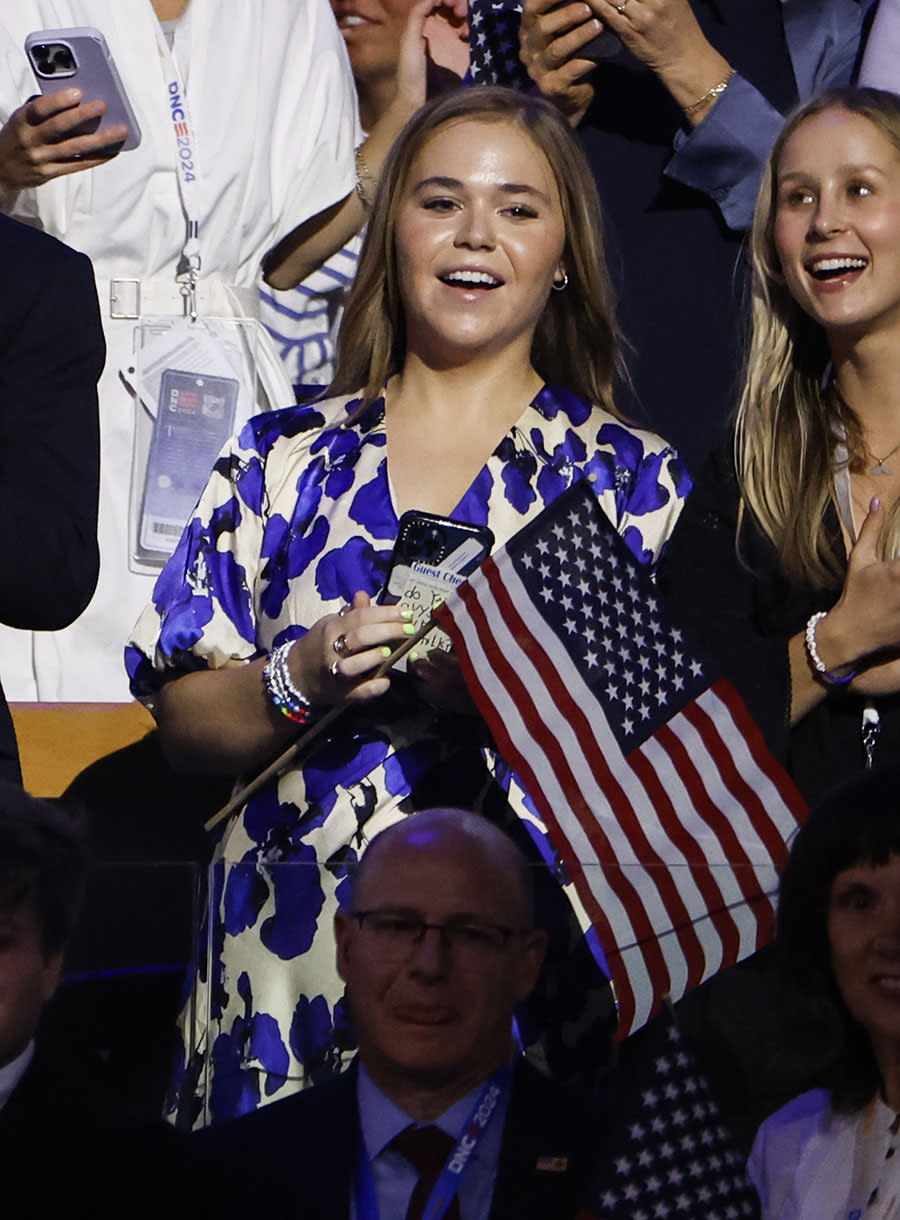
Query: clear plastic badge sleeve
x=195, y=384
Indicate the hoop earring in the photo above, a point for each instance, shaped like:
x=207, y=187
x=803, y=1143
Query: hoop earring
x=561, y=285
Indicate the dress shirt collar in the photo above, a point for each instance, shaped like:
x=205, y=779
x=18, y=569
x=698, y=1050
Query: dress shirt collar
x=381, y=1120
x=12, y=1073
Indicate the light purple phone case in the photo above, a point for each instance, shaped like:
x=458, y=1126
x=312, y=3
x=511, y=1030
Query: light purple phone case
x=95, y=74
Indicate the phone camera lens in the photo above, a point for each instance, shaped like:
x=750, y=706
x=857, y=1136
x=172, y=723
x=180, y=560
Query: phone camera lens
x=433, y=545
x=52, y=58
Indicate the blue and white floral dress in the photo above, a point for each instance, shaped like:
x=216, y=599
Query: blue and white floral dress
x=297, y=516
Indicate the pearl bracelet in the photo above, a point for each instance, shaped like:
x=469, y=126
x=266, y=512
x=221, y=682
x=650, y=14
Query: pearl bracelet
x=281, y=688
x=818, y=663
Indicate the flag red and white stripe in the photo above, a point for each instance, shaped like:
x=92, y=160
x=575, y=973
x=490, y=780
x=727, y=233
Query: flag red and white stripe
x=673, y=845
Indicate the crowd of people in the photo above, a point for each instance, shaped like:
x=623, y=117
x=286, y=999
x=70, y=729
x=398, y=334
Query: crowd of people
x=477, y=299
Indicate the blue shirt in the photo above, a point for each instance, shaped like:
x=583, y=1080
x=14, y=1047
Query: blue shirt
x=381, y=1120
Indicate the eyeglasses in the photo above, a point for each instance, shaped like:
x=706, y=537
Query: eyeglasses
x=471, y=942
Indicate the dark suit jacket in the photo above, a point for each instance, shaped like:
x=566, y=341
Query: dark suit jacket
x=51, y=356
x=296, y=1157
x=67, y=1149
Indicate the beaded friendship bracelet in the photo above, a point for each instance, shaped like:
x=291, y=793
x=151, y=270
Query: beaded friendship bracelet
x=281, y=688
x=818, y=663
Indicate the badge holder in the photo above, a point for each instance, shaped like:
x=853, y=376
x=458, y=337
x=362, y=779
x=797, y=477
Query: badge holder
x=194, y=378
x=195, y=384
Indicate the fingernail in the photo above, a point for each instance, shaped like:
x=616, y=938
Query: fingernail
x=874, y=504
x=386, y=652
x=75, y=95
x=407, y=614
x=414, y=656
x=409, y=629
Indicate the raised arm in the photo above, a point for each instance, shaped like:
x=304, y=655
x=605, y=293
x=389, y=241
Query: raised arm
x=36, y=143
x=308, y=246
x=731, y=126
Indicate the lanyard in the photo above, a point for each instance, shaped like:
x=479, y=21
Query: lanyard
x=457, y=1163
x=187, y=172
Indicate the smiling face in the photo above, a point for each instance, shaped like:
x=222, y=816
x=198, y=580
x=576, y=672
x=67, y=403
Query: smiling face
x=864, y=936
x=837, y=223
x=479, y=240
x=372, y=30
x=433, y=1022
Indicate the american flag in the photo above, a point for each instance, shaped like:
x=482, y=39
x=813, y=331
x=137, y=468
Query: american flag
x=670, y=1153
x=666, y=809
x=494, y=44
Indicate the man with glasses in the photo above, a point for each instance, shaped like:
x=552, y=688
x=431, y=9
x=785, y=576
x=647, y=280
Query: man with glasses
x=440, y=1117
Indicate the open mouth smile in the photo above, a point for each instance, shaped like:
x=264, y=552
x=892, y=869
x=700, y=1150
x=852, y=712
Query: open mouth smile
x=470, y=279
x=836, y=267
x=351, y=20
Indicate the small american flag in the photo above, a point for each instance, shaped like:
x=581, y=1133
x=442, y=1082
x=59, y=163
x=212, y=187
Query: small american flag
x=494, y=44
x=666, y=809
x=669, y=1152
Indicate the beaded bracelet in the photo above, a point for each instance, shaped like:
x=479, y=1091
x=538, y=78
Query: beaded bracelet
x=819, y=664
x=281, y=688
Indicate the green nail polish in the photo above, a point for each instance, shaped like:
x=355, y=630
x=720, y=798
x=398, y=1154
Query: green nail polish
x=414, y=656
x=407, y=614
x=386, y=652
x=409, y=629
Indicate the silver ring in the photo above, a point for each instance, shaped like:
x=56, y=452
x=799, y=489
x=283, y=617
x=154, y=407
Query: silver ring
x=335, y=669
x=620, y=9
x=341, y=646
x=344, y=610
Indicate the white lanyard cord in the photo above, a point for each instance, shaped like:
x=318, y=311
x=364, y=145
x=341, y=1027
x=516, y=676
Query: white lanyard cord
x=187, y=171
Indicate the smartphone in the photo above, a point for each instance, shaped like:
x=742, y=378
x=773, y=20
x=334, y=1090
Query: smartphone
x=604, y=46
x=61, y=59
x=432, y=555
x=194, y=420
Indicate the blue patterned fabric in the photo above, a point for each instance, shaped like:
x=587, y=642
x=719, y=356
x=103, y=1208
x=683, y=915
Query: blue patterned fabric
x=298, y=515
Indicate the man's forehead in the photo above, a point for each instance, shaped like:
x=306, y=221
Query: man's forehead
x=425, y=867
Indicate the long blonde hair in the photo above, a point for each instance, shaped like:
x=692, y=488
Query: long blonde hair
x=790, y=418
x=576, y=340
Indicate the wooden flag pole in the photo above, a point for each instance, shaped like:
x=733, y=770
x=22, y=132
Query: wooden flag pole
x=284, y=760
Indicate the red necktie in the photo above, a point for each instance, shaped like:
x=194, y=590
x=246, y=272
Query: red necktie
x=427, y=1150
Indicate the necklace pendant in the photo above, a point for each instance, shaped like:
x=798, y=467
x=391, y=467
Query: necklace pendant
x=880, y=468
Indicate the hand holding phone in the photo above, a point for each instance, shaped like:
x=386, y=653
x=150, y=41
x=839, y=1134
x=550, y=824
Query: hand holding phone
x=79, y=57
x=552, y=40
x=82, y=118
x=36, y=145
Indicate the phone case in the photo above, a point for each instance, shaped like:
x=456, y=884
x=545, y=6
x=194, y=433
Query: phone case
x=432, y=555
x=92, y=70
x=453, y=547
